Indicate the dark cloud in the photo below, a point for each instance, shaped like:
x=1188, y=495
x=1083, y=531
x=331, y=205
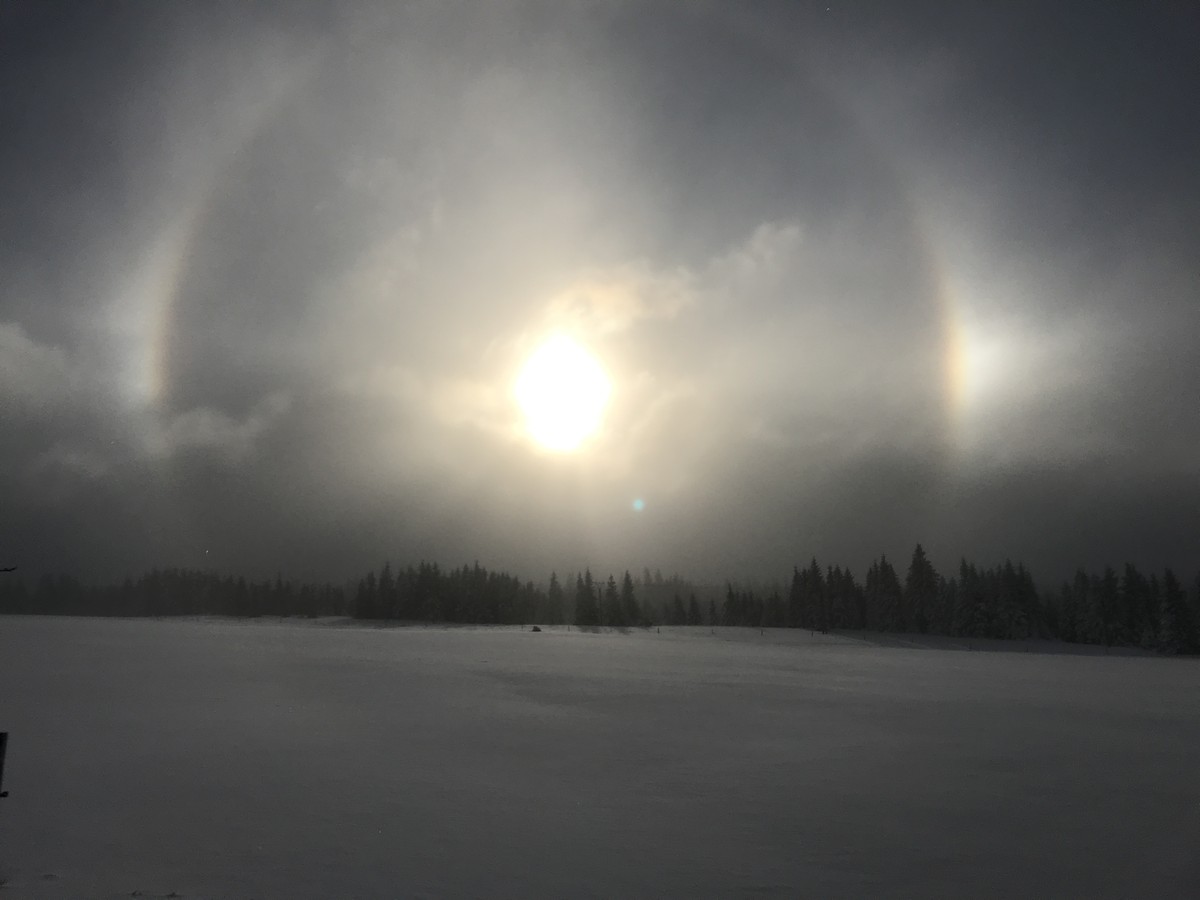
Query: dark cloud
x=862, y=277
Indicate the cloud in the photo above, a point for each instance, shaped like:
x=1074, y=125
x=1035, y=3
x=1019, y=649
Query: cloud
x=213, y=431
x=326, y=266
x=81, y=461
x=42, y=384
x=619, y=310
x=758, y=264
x=610, y=302
x=34, y=378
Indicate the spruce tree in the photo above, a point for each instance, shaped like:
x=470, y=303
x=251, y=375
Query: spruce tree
x=648, y=614
x=587, y=612
x=554, y=601
x=1090, y=630
x=889, y=597
x=629, y=603
x=386, y=592
x=817, y=598
x=1068, y=614
x=729, y=614
x=365, y=598
x=872, y=615
x=1178, y=629
x=795, y=606
x=774, y=615
x=613, y=611
x=1132, y=599
x=1107, y=600
x=678, y=614
x=947, y=606
x=920, y=590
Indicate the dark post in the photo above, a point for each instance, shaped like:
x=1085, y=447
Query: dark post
x=3, y=747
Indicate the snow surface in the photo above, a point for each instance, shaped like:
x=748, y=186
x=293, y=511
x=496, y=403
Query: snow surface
x=283, y=760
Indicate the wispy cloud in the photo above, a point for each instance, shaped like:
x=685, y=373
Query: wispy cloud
x=34, y=378
x=214, y=431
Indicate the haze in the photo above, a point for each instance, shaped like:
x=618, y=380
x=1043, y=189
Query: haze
x=861, y=275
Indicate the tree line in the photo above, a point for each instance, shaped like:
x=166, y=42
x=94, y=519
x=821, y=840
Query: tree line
x=1127, y=609
x=1002, y=602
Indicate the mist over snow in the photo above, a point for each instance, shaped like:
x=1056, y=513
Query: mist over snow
x=234, y=759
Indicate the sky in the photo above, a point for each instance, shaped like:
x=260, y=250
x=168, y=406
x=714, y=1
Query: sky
x=858, y=274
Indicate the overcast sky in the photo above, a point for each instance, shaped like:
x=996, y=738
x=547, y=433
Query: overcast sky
x=861, y=275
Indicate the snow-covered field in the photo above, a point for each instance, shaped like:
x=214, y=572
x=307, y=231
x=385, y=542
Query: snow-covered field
x=278, y=760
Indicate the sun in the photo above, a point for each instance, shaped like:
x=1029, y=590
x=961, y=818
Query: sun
x=562, y=391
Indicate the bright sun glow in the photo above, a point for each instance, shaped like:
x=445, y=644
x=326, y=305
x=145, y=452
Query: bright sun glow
x=562, y=391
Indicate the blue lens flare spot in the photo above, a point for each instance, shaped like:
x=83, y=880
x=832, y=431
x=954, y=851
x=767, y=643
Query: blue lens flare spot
x=639, y=504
